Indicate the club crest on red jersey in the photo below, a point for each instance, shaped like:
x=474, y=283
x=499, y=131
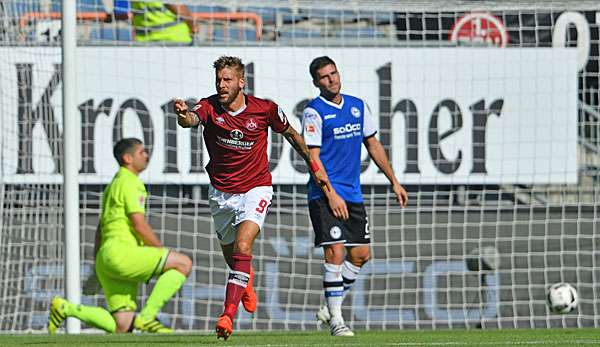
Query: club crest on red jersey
x=251, y=124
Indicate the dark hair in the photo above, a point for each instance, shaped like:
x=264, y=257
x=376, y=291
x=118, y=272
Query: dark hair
x=230, y=62
x=318, y=63
x=124, y=146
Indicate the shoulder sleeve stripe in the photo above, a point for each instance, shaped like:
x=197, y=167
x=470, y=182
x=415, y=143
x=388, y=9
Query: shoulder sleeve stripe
x=373, y=134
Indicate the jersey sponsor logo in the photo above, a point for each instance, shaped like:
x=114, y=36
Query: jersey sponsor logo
x=335, y=232
x=236, y=134
x=251, y=124
x=281, y=115
x=310, y=128
x=329, y=116
x=235, y=144
x=355, y=112
x=346, y=129
x=235, y=140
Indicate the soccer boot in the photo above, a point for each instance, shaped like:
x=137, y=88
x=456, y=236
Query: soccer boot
x=224, y=327
x=151, y=326
x=249, y=298
x=57, y=314
x=339, y=328
x=323, y=315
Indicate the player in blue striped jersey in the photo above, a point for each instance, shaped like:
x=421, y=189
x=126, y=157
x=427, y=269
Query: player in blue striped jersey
x=335, y=125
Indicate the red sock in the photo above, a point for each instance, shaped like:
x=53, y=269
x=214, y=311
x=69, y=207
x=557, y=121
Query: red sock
x=239, y=276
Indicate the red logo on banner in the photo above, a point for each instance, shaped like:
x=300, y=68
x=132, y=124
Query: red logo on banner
x=479, y=28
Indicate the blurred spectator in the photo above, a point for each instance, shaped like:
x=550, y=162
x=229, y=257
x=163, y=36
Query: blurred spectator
x=156, y=21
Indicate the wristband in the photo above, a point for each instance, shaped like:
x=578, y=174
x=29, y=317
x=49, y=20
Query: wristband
x=314, y=167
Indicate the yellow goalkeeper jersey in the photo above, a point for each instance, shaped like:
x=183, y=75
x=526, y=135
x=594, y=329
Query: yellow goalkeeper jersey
x=126, y=194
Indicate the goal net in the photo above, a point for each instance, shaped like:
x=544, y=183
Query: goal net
x=488, y=111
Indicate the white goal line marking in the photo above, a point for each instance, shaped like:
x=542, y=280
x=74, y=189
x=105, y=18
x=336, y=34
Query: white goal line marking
x=506, y=343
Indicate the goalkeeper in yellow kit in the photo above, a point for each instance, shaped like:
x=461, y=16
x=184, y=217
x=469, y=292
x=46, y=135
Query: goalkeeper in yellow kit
x=127, y=252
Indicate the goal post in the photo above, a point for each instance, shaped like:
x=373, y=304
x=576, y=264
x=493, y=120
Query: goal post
x=71, y=162
x=488, y=110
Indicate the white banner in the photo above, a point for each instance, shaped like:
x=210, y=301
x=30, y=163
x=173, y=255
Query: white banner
x=449, y=115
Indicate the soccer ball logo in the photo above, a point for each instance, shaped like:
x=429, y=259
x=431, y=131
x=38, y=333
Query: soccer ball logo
x=562, y=298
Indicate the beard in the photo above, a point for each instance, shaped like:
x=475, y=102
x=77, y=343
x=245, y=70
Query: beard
x=230, y=97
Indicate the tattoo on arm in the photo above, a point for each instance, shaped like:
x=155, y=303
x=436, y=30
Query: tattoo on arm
x=190, y=120
x=194, y=119
x=292, y=136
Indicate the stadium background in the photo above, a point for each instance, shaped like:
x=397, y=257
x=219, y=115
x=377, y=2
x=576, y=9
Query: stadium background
x=419, y=276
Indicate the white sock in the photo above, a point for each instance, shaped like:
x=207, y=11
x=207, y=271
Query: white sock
x=334, y=289
x=349, y=274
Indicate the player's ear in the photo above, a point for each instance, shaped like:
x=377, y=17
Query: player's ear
x=127, y=158
x=315, y=83
x=242, y=83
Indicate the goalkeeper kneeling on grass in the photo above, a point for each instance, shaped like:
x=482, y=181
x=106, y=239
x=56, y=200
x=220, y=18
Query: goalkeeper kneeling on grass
x=127, y=252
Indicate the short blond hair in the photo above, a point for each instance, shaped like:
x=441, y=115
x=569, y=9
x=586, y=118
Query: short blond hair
x=230, y=62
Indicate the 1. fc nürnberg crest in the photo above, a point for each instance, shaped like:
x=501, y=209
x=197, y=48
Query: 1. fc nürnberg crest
x=479, y=28
x=251, y=124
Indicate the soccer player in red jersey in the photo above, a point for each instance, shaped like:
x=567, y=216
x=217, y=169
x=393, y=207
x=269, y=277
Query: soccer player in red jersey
x=235, y=133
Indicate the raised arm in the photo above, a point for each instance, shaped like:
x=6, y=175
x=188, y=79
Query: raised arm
x=314, y=164
x=185, y=118
x=377, y=153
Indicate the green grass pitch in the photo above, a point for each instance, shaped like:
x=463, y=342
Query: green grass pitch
x=507, y=337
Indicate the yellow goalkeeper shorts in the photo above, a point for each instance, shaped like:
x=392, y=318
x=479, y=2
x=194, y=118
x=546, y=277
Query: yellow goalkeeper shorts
x=121, y=267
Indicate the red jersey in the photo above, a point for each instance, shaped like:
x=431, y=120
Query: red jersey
x=237, y=143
